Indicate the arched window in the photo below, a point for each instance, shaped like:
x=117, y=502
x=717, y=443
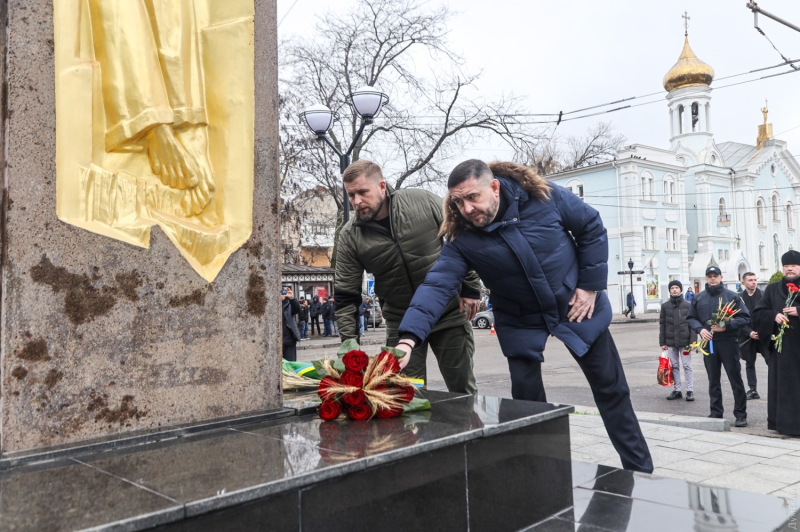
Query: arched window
x=789, y=217
x=576, y=187
x=776, y=208
x=669, y=190
x=680, y=119
x=722, y=211
x=776, y=252
x=761, y=261
x=760, y=211
x=647, y=187
x=695, y=115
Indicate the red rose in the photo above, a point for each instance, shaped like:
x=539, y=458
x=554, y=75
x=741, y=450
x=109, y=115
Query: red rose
x=359, y=412
x=330, y=409
x=391, y=361
x=355, y=398
x=386, y=413
x=408, y=396
x=324, y=384
x=353, y=379
x=355, y=361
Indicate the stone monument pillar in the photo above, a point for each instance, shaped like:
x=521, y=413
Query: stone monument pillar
x=140, y=271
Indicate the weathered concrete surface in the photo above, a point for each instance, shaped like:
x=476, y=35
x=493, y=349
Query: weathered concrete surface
x=100, y=337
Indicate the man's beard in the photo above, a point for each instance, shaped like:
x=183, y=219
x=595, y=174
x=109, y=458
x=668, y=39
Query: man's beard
x=791, y=279
x=369, y=213
x=484, y=217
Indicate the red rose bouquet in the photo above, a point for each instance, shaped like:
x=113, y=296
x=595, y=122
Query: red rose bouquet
x=363, y=387
x=778, y=338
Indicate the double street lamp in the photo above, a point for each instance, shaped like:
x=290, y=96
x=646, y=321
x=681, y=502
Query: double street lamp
x=367, y=103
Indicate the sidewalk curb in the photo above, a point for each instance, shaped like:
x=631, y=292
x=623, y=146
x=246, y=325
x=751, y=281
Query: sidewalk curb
x=307, y=345
x=634, y=320
x=673, y=420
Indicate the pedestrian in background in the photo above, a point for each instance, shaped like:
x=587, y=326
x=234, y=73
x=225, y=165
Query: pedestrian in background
x=631, y=303
x=334, y=325
x=291, y=335
x=675, y=336
x=314, y=310
x=363, y=312
x=689, y=294
x=302, y=318
x=748, y=339
x=723, y=347
x=326, y=313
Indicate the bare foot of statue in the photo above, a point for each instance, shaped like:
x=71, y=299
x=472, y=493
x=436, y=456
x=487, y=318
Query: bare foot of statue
x=180, y=158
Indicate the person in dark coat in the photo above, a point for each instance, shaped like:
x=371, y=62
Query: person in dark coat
x=631, y=303
x=327, y=313
x=783, y=371
x=314, y=310
x=291, y=335
x=689, y=294
x=543, y=253
x=723, y=347
x=748, y=339
x=302, y=319
x=675, y=336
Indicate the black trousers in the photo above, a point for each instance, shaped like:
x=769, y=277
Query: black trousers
x=315, y=321
x=749, y=355
x=603, y=369
x=726, y=354
x=290, y=352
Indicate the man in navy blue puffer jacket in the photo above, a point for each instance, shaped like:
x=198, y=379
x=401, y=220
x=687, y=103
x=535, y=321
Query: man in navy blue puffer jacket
x=543, y=254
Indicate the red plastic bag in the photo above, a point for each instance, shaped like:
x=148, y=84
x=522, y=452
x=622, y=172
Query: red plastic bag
x=664, y=370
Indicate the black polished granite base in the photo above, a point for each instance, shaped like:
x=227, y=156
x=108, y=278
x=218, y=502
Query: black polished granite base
x=470, y=463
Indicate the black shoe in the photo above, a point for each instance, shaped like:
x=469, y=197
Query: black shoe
x=752, y=394
x=674, y=395
x=715, y=416
x=690, y=396
x=740, y=422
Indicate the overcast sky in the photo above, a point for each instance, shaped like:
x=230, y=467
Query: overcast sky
x=571, y=54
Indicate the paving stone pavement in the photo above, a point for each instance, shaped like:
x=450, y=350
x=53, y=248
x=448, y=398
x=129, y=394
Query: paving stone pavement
x=729, y=460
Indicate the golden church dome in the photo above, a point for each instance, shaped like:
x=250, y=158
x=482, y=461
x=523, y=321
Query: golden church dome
x=688, y=71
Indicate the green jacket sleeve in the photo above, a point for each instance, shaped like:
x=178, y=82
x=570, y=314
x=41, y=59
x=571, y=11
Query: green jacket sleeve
x=347, y=287
x=471, y=287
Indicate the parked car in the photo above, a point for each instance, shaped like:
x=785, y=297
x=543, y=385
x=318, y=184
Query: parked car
x=375, y=317
x=483, y=320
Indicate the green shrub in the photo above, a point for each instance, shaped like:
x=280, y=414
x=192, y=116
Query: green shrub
x=777, y=276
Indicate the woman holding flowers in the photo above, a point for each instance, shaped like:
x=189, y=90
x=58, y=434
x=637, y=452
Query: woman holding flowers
x=778, y=326
x=717, y=315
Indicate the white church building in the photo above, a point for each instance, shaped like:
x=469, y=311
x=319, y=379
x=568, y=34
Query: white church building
x=676, y=211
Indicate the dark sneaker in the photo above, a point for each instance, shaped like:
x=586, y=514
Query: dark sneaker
x=740, y=423
x=752, y=394
x=715, y=416
x=674, y=395
x=690, y=396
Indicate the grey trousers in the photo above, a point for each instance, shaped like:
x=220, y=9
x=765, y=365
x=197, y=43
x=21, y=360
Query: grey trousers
x=678, y=359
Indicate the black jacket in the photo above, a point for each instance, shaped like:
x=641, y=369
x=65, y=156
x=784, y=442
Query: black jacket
x=290, y=309
x=674, y=329
x=314, y=309
x=751, y=302
x=303, y=314
x=364, y=309
x=327, y=311
x=706, y=303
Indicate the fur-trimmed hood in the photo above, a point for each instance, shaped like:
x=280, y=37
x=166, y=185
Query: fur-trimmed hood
x=538, y=188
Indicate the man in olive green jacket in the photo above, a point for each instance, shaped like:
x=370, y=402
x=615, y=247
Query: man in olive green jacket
x=395, y=236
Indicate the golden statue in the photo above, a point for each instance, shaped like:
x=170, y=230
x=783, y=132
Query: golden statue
x=765, y=111
x=155, y=122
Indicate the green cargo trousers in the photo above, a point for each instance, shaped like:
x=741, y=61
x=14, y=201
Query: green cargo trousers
x=453, y=346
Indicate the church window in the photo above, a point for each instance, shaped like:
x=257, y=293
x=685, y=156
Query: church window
x=776, y=209
x=680, y=119
x=776, y=248
x=669, y=191
x=647, y=187
x=576, y=187
x=722, y=211
x=760, y=211
x=789, y=217
x=650, y=238
x=773, y=169
x=761, y=261
x=672, y=239
x=695, y=115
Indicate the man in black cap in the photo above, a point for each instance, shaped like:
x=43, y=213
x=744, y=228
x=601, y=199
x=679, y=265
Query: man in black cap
x=675, y=336
x=748, y=336
x=723, y=346
x=783, y=393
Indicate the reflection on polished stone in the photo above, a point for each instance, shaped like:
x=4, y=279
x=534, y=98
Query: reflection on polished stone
x=720, y=505
x=583, y=472
x=197, y=467
x=559, y=525
x=71, y=496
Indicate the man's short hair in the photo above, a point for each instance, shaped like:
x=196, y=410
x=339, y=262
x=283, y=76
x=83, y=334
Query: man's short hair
x=365, y=168
x=472, y=168
x=748, y=274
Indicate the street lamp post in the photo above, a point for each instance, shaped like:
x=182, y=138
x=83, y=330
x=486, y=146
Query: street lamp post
x=367, y=103
x=630, y=268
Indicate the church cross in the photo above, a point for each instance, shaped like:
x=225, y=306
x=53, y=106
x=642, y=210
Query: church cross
x=686, y=18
